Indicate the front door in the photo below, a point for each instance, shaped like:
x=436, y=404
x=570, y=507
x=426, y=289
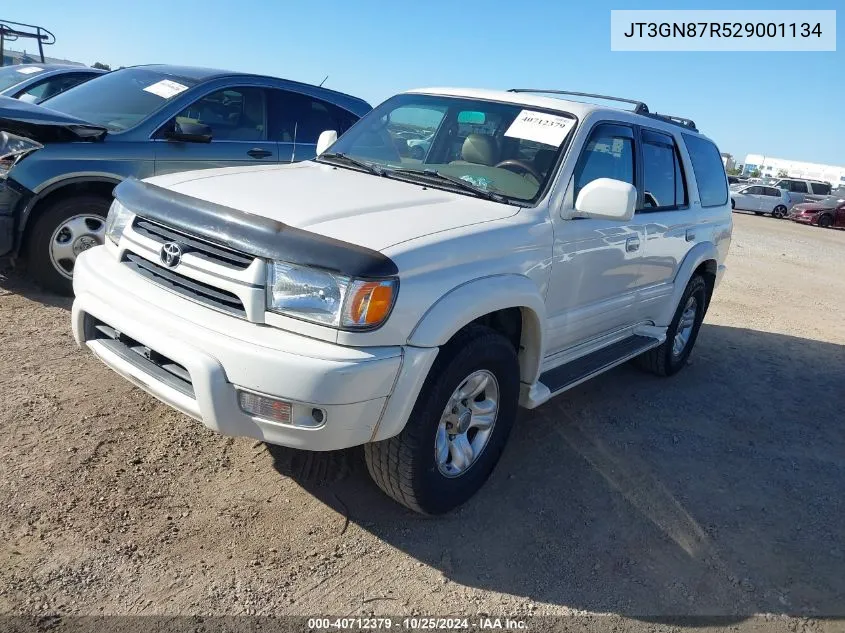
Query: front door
x=596, y=267
x=238, y=121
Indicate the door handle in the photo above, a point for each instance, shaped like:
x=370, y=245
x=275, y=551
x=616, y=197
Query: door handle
x=690, y=235
x=257, y=152
x=632, y=244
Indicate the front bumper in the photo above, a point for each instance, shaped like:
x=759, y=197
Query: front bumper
x=805, y=219
x=220, y=353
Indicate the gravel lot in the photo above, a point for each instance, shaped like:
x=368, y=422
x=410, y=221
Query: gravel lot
x=716, y=492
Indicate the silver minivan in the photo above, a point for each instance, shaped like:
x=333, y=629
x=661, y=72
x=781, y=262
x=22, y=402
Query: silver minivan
x=801, y=190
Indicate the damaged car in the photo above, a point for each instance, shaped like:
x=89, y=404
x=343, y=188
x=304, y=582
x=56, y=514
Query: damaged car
x=60, y=161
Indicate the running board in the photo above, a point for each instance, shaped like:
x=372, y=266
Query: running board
x=569, y=375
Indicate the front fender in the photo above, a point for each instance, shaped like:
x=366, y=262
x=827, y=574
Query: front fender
x=473, y=299
x=700, y=253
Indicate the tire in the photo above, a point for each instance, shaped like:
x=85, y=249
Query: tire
x=825, y=221
x=58, y=277
x=733, y=204
x=406, y=468
x=662, y=360
x=779, y=212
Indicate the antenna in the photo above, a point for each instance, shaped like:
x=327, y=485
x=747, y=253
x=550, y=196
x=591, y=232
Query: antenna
x=324, y=81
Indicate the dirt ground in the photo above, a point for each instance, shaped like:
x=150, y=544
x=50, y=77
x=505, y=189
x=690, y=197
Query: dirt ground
x=717, y=492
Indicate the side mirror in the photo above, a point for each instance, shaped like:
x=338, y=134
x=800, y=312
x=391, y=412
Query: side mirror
x=326, y=139
x=189, y=132
x=607, y=199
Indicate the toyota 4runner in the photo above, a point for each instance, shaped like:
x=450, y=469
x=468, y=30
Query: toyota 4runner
x=409, y=297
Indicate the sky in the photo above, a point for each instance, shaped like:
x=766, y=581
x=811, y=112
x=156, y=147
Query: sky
x=782, y=104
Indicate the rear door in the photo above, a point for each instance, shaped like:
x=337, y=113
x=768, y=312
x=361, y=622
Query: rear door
x=769, y=199
x=296, y=121
x=666, y=217
x=237, y=117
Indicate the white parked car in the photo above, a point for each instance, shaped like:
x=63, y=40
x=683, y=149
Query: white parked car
x=761, y=200
x=365, y=298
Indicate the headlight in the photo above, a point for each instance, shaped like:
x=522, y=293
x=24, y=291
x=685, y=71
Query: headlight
x=118, y=219
x=328, y=298
x=12, y=149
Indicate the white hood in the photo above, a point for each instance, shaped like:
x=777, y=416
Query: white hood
x=344, y=204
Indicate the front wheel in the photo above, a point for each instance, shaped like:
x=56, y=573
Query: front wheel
x=458, y=427
x=61, y=232
x=671, y=356
x=825, y=221
x=779, y=212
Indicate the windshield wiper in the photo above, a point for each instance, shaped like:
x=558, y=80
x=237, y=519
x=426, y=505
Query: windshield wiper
x=369, y=167
x=460, y=183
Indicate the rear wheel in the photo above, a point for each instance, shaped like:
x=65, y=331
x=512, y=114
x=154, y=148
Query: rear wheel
x=61, y=232
x=458, y=427
x=825, y=221
x=779, y=212
x=671, y=356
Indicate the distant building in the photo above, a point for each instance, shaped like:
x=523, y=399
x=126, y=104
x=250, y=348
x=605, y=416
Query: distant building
x=775, y=167
x=728, y=161
x=22, y=57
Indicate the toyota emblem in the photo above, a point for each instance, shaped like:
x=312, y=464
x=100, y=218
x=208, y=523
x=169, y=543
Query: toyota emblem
x=171, y=254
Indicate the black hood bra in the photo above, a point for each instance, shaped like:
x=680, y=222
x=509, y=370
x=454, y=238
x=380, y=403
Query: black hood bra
x=251, y=234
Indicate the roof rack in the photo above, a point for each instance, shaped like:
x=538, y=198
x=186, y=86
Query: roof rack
x=639, y=106
x=10, y=31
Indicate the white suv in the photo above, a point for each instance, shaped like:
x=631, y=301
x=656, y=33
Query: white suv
x=411, y=304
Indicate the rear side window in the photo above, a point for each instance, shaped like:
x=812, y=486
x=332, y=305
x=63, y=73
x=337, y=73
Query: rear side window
x=771, y=191
x=798, y=186
x=663, y=179
x=709, y=171
x=754, y=191
x=296, y=117
x=820, y=188
x=609, y=153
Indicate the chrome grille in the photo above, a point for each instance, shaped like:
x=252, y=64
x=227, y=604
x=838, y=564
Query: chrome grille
x=192, y=289
x=209, y=251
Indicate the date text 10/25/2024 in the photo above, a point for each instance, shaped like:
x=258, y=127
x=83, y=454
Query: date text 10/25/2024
x=420, y=623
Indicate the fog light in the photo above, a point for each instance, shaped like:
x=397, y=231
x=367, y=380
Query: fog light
x=264, y=407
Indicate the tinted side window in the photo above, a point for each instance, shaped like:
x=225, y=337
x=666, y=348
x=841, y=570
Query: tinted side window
x=295, y=116
x=798, y=186
x=709, y=171
x=771, y=191
x=754, y=191
x=609, y=153
x=820, y=188
x=233, y=114
x=663, y=181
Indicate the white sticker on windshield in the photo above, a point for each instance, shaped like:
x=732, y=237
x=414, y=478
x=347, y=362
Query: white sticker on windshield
x=540, y=127
x=28, y=70
x=166, y=88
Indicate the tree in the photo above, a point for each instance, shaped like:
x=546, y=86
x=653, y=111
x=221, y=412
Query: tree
x=782, y=173
x=101, y=66
x=755, y=173
x=734, y=171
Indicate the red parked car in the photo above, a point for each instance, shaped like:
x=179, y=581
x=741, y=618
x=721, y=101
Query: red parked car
x=826, y=213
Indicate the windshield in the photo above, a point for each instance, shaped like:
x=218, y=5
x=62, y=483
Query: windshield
x=121, y=99
x=11, y=75
x=495, y=148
